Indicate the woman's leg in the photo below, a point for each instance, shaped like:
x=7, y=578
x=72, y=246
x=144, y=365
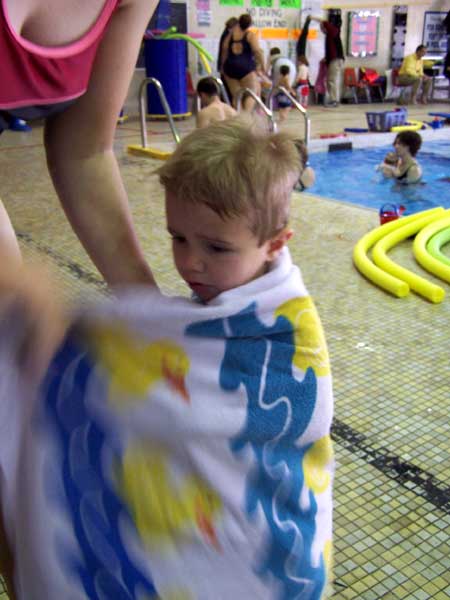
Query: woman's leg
x=251, y=82
x=9, y=245
x=283, y=113
x=234, y=87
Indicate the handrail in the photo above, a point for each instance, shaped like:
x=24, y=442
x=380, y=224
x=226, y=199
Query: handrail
x=165, y=105
x=298, y=106
x=267, y=111
x=222, y=89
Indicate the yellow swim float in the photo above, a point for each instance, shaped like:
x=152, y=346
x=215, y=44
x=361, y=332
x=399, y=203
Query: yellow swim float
x=411, y=126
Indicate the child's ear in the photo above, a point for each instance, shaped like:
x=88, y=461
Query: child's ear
x=277, y=243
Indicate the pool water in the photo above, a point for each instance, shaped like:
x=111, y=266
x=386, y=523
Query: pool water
x=350, y=175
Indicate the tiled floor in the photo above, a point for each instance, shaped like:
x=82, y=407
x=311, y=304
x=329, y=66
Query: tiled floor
x=390, y=358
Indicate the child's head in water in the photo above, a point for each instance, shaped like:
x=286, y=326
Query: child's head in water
x=391, y=158
x=228, y=190
x=207, y=89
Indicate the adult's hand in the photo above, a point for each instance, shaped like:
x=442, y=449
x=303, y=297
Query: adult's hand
x=33, y=319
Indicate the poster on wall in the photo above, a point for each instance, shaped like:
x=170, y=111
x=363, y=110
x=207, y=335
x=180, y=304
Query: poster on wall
x=203, y=10
x=434, y=33
x=362, y=37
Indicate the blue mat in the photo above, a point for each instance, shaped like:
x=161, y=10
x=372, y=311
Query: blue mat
x=443, y=115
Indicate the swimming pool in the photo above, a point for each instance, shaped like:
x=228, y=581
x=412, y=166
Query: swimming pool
x=350, y=175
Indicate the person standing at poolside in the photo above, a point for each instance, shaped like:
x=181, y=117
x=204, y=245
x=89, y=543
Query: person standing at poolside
x=70, y=62
x=243, y=60
x=230, y=24
x=411, y=73
x=334, y=57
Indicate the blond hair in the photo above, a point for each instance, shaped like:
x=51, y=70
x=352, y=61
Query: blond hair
x=237, y=168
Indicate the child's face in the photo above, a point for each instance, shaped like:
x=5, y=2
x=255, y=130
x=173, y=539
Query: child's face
x=213, y=255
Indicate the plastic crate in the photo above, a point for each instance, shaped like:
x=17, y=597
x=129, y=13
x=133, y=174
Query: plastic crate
x=383, y=121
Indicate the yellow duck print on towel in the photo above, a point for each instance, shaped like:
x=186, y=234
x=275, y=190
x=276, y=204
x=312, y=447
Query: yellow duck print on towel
x=165, y=511
x=317, y=465
x=311, y=349
x=135, y=365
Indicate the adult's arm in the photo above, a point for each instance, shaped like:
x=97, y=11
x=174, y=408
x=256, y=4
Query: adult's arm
x=8, y=242
x=224, y=49
x=414, y=173
x=6, y=562
x=81, y=161
x=408, y=66
x=252, y=39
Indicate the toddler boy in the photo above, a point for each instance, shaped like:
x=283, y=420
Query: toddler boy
x=178, y=448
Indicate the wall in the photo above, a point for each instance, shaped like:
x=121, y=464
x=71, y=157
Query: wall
x=290, y=19
x=287, y=21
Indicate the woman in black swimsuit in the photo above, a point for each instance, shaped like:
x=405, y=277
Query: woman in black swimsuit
x=243, y=58
x=407, y=170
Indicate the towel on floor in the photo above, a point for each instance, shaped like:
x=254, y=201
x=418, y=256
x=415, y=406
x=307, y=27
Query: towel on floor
x=175, y=450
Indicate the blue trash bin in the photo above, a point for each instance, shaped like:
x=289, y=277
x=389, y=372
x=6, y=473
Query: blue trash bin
x=165, y=60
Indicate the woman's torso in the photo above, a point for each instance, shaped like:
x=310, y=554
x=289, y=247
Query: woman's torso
x=239, y=44
x=45, y=24
x=47, y=55
x=240, y=60
x=410, y=171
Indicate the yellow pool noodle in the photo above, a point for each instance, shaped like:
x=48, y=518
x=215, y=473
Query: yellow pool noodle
x=412, y=126
x=421, y=254
x=365, y=266
x=421, y=286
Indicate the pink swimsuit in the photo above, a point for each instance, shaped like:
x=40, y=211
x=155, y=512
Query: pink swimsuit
x=39, y=76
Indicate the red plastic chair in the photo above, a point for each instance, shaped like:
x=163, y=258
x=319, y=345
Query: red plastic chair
x=371, y=78
x=352, y=83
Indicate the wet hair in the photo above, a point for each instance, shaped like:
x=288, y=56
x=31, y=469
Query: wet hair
x=238, y=169
x=231, y=22
x=245, y=21
x=302, y=152
x=207, y=86
x=420, y=47
x=284, y=70
x=411, y=139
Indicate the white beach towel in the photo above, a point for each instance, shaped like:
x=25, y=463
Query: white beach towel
x=176, y=450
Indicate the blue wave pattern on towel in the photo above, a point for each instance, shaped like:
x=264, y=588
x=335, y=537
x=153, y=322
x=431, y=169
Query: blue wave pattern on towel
x=103, y=564
x=279, y=410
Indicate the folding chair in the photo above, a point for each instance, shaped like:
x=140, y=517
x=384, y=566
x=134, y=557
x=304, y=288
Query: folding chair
x=352, y=83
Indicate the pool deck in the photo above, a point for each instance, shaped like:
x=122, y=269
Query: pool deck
x=390, y=357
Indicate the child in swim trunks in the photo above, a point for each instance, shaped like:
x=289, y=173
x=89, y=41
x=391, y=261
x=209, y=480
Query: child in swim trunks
x=283, y=101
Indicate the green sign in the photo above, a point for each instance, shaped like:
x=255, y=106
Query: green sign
x=232, y=2
x=262, y=3
x=291, y=4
